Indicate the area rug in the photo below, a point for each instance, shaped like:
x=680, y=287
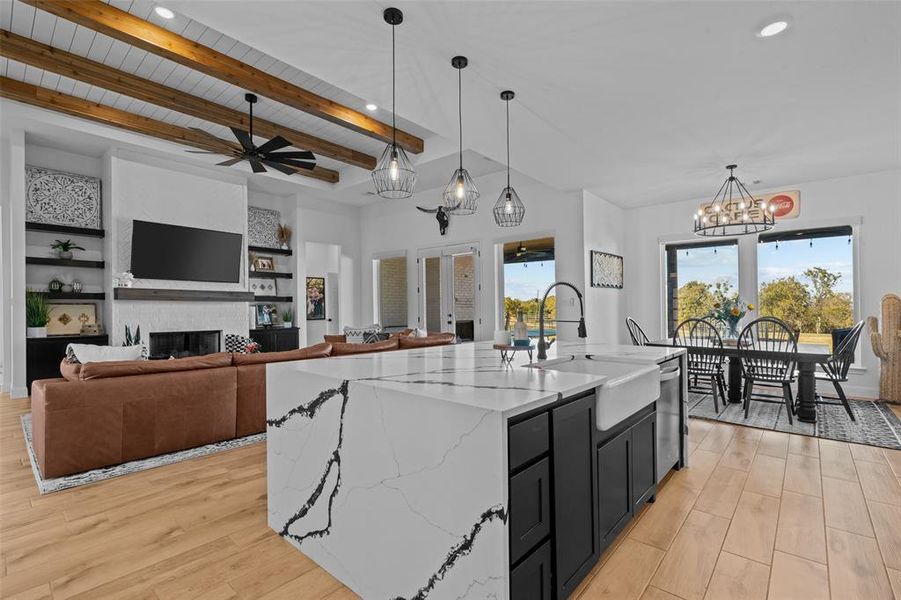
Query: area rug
x=56, y=484
x=876, y=424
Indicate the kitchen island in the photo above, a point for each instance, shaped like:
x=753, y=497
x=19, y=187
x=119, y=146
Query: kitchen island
x=432, y=473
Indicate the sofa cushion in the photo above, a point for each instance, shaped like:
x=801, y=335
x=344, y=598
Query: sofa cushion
x=70, y=370
x=345, y=349
x=123, y=368
x=315, y=351
x=433, y=339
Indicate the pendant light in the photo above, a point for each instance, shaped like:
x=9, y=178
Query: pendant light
x=509, y=209
x=729, y=215
x=460, y=196
x=393, y=175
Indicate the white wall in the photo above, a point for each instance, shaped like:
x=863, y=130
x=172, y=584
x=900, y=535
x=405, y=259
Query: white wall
x=874, y=200
x=602, y=229
x=159, y=191
x=398, y=226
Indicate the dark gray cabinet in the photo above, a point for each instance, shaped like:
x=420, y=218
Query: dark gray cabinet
x=532, y=579
x=530, y=508
x=614, y=460
x=276, y=339
x=576, y=545
x=626, y=475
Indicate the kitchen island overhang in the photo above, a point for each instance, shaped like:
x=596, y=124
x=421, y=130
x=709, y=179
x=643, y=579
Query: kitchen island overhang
x=391, y=470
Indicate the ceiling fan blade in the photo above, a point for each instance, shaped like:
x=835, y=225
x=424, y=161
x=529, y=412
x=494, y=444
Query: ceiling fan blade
x=284, y=169
x=297, y=163
x=229, y=163
x=256, y=165
x=243, y=138
x=302, y=154
x=276, y=143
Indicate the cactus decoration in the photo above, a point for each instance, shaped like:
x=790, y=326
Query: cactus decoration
x=887, y=347
x=132, y=340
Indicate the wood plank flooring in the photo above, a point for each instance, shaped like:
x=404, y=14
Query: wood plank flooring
x=757, y=515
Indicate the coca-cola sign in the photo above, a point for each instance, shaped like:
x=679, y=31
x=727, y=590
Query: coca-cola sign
x=785, y=205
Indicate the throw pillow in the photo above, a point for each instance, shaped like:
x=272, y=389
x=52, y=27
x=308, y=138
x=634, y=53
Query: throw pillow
x=355, y=335
x=420, y=333
x=85, y=353
x=371, y=337
x=239, y=344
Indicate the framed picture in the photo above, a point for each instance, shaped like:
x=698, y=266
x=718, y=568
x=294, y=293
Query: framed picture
x=264, y=314
x=315, y=298
x=606, y=270
x=68, y=319
x=264, y=263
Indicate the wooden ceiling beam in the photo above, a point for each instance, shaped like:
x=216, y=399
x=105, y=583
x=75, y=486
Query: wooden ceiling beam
x=100, y=113
x=42, y=56
x=142, y=34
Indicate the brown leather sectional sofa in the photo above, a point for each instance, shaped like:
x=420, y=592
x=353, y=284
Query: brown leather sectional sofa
x=102, y=414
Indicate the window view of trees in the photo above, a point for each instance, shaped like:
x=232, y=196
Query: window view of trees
x=696, y=299
x=701, y=277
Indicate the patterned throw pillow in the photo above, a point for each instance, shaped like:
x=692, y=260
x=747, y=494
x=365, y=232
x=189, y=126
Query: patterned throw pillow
x=239, y=344
x=371, y=337
x=356, y=335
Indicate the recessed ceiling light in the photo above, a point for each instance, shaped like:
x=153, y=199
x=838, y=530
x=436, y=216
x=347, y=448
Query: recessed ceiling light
x=371, y=107
x=773, y=28
x=164, y=12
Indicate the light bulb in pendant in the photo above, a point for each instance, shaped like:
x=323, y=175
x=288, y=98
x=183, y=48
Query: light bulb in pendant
x=508, y=205
x=460, y=190
x=393, y=168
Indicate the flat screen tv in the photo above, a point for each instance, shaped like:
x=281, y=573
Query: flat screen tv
x=161, y=251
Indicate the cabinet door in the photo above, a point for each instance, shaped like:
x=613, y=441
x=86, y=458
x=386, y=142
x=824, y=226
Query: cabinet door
x=575, y=493
x=530, y=508
x=614, y=467
x=644, y=460
x=531, y=580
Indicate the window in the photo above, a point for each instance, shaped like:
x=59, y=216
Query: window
x=806, y=278
x=697, y=276
x=390, y=276
x=529, y=269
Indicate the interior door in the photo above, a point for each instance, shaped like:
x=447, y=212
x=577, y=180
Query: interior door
x=449, y=289
x=331, y=303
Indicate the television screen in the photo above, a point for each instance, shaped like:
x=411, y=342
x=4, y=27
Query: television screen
x=160, y=251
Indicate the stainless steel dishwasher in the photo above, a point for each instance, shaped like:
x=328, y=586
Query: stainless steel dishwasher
x=669, y=418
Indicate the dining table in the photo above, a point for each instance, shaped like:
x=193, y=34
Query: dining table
x=807, y=358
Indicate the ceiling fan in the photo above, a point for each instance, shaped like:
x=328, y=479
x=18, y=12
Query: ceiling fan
x=286, y=162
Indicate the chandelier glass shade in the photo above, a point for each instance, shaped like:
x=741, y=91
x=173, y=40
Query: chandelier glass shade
x=733, y=211
x=461, y=195
x=393, y=175
x=509, y=210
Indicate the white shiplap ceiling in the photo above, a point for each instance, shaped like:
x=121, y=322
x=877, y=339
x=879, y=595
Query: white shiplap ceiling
x=41, y=26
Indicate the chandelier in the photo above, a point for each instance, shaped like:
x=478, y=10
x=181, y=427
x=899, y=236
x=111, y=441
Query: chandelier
x=733, y=211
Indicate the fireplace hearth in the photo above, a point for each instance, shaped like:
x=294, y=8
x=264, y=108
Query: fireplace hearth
x=178, y=344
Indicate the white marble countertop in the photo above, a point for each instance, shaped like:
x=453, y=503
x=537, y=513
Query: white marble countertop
x=472, y=374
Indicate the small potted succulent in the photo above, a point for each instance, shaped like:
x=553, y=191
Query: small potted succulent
x=37, y=314
x=287, y=317
x=64, y=248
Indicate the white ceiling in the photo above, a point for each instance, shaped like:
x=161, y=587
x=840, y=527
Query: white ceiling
x=639, y=102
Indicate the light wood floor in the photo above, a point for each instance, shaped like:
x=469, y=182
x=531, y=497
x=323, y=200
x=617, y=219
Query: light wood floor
x=756, y=515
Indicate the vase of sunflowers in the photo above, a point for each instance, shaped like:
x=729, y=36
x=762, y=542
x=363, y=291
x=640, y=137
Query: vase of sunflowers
x=730, y=312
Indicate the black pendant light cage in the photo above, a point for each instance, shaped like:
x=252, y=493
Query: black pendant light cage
x=393, y=176
x=509, y=210
x=461, y=196
x=733, y=211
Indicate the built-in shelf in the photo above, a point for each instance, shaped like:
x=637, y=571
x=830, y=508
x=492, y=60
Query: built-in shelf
x=73, y=336
x=156, y=294
x=68, y=229
x=263, y=250
x=259, y=299
x=64, y=262
x=74, y=295
x=270, y=275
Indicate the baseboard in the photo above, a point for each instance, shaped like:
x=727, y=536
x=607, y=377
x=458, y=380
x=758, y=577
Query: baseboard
x=860, y=391
x=19, y=392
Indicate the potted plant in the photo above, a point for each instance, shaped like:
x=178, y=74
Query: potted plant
x=288, y=317
x=37, y=314
x=64, y=248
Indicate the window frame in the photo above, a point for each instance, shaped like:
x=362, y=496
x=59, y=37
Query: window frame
x=670, y=283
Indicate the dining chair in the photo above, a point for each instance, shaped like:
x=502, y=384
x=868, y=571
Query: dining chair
x=639, y=338
x=770, y=339
x=835, y=368
x=701, y=365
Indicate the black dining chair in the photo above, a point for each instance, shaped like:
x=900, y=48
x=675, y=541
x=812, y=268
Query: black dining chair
x=639, y=338
x=701, y=365
x=835, y=368
x=771, y=339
